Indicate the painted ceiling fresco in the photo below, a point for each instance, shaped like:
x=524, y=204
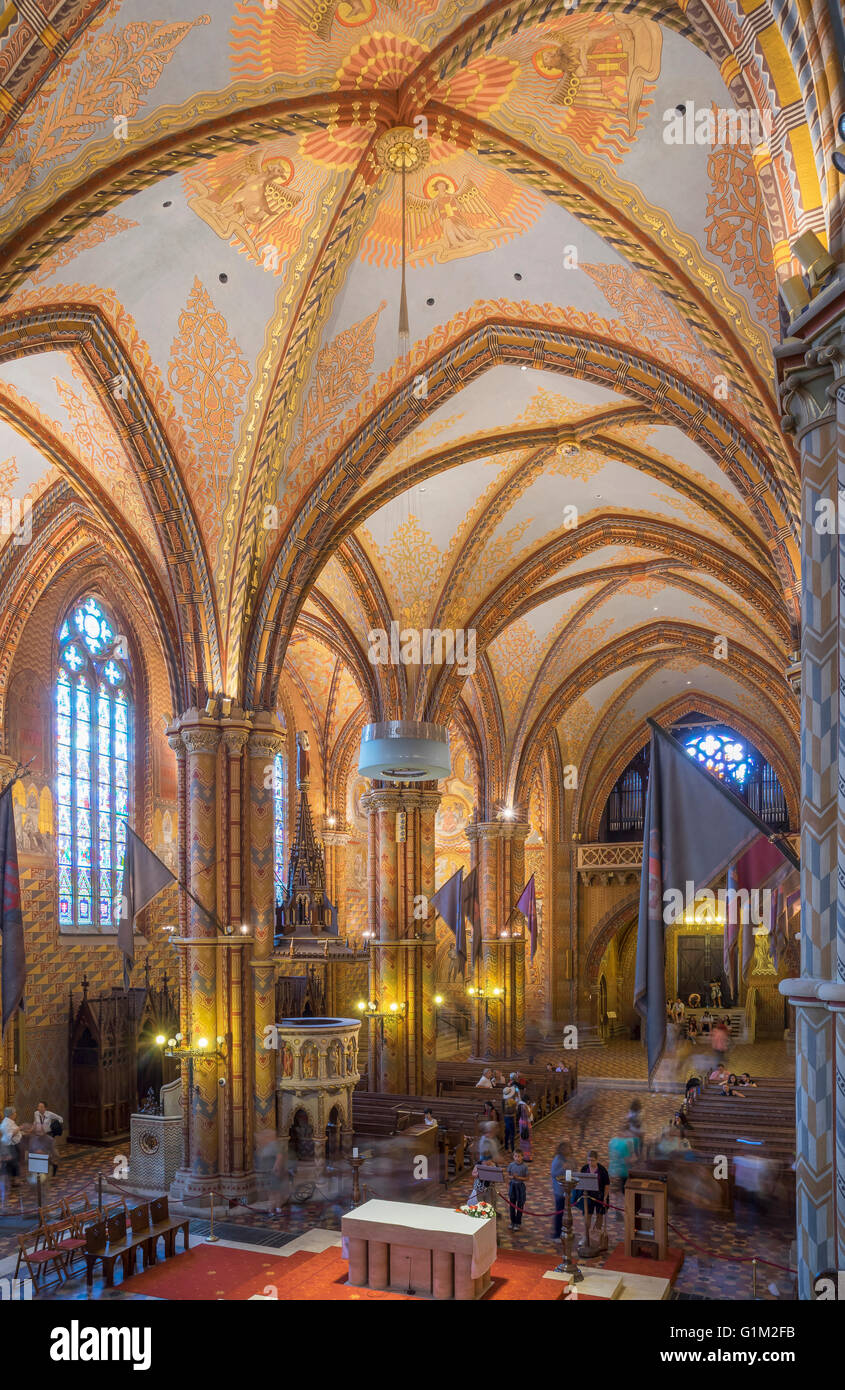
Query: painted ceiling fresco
x=577, y=452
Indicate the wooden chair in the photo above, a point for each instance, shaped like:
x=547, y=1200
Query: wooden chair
x=37, y=1255
x=66, y=1235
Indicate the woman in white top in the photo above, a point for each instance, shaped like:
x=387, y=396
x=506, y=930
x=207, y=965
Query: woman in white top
x=486, y=1079
x=11, y=1135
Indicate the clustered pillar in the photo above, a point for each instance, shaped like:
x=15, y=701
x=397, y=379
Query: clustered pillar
x=402, y=1046
x=499, y=1023
x=225, y=945
x=812, y=378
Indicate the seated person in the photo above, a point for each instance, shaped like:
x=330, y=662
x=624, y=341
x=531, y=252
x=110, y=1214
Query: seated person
x=485, y=1079
x=694, y=1001
x=706, y=1021
x=671, y=1143
x=693, y=1086
x=745, y=1080
x=499, y=1078
x=428, y=1119
x=680, y=1121
x=719, y=1075
x=692, y=1027
x=730, y=1086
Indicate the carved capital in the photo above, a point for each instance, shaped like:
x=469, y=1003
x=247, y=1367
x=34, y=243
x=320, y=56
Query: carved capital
x=498, y=830
x=266, y=743
x=235, y=741
x=200, y=740
x=177, y=744
x=812, y=374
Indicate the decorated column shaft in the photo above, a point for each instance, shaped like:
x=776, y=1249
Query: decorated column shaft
x=266, y=740
x=215, y=946
x=498, y=977
x=402, y=954
x=201, y=741
x=812, y=377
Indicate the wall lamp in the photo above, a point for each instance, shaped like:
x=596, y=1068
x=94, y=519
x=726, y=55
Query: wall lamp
x=370, y=1009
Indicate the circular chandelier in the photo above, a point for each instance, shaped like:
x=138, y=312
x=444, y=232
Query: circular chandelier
x=404, y=750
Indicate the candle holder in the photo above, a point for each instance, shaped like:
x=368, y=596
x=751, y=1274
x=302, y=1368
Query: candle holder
x=356, y=1161
x=567, y=1264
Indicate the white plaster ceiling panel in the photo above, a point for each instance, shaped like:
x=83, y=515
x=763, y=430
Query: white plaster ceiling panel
x=439, y=505
x=24, y=471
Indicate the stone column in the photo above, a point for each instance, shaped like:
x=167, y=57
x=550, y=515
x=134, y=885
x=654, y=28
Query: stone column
x=402, y=955
x=335, y=838
x=499, y=1025
x=265, y=741
x=811, y=372
x=175, y=741
x=201, y=739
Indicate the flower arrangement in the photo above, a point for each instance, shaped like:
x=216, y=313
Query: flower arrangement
x=482, y=1210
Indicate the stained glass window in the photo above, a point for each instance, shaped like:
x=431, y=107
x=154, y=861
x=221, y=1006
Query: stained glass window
x=93, y=726
x=280, y=808
x=723, y=754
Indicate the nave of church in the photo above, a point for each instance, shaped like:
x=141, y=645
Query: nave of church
x=422, y=827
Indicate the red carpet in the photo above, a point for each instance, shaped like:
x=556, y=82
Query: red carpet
x=216, y=1272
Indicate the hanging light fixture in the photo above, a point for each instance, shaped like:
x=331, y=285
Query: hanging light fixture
x=402, y=151
x=404, y=750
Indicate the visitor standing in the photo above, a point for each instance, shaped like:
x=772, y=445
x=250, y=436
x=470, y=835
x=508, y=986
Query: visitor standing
x=594, y=1204
x=558, y=1171
x=517, y=1174
x=510, y=1102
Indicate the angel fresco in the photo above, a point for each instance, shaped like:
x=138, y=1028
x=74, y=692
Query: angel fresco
x=601, y=69
x=451, y=221
x=247, y=201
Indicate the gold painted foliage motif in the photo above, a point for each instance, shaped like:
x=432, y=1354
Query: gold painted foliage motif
x=110, y=80
x=737, y=229
x=210, y=373
x=342, y=373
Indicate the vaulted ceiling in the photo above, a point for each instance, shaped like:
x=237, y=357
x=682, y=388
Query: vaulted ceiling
x=578, y=455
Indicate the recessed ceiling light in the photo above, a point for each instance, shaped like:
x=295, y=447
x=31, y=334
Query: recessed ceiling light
x=168, y=204
x=681, y=108
x=523, y=368
x=429, y=302
x=517, y=275
x=223, y=278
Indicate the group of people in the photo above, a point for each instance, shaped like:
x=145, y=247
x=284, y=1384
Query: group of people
x=729, y=1083
x=43, y=1132
x=517, y=1111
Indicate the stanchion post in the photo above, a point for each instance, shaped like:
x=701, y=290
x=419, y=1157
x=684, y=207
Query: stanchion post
x=211, y=1238
x=754, y=1279
x=100, y=1193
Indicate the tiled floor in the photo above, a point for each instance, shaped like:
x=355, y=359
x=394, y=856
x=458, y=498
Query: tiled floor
x=713, y=1245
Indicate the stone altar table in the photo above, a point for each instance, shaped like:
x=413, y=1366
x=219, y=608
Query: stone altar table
x=419, y=1249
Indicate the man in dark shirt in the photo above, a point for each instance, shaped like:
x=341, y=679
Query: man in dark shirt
x=517, y=1173
x=594, y=1204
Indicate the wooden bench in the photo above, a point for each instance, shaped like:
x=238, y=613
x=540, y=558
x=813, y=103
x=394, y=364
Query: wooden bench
x=110, y=1241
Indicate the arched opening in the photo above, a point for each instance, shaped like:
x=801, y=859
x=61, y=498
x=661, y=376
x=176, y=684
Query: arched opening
x=334, y=1133
x=301, y=1135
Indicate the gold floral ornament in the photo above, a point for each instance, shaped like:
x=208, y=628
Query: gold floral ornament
x=402, y=150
